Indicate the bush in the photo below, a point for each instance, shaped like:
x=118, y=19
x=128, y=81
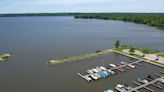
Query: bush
x=98, y=51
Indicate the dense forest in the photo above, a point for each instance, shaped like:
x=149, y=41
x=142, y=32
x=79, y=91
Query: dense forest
x=152, y=19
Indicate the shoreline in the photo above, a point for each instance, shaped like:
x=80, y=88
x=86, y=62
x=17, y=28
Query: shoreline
x=147, y=61
x=5, y=57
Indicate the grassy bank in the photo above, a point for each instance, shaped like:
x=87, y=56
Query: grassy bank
x=144, y=50
x=76, y=58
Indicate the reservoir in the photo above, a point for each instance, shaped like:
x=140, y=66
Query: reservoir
x=36, y=40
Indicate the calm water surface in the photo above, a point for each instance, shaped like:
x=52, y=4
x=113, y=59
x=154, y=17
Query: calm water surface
x=35, y=40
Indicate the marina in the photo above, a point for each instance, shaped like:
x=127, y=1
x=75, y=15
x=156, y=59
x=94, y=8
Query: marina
x=105, y=71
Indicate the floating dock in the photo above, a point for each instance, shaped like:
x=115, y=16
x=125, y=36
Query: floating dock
x=86, y=77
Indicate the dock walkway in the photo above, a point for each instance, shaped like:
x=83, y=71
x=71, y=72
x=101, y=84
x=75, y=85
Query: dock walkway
x=146, y=84
x=140, y=86
x=122, y=66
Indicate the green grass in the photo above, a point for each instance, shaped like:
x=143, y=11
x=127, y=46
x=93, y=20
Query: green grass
x=160, y=54
x=137, y=56
x=98, y=51
x=162, y=64
x=144, y=50
x=62, y=58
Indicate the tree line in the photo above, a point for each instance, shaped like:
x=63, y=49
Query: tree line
x=152, y=19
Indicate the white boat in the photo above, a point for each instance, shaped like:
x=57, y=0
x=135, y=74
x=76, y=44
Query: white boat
x=98, y=69
x=162, y=80
x=94, y=77
x=131, y=66
x=111, y=72
x=90, y=71
x=143, y=80
x=123, y=88
x=112, y=65
x=95, y=70
x=97, y=75
x=123, y=63
x=87, y=78
x=109, y=90
x=103, y=68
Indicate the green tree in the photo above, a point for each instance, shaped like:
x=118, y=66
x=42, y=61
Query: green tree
x=98, y=51
x=117, y=43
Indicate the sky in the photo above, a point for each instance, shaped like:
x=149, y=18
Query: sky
x=54, y=6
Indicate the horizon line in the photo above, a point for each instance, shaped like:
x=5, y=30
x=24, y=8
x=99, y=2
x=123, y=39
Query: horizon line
x=76, y=12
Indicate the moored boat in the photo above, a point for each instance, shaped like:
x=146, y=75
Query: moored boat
x=123, y=88
x=143, y=80
x=130, y=65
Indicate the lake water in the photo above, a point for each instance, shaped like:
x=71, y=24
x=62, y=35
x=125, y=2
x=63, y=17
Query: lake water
x=35, y=40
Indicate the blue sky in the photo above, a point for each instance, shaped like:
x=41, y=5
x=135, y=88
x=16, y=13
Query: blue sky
x=41, y=6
